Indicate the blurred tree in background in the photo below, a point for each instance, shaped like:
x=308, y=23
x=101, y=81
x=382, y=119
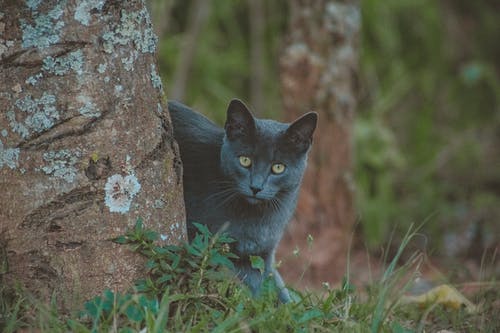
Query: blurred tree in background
x=319, y=71
x=429, y=126
x=427, y=129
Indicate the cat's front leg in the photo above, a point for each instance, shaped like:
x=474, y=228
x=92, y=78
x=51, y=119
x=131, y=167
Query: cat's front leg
x=283, y=294
x=252, y=277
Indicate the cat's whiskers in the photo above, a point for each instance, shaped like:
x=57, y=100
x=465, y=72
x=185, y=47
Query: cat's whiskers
x=228, y=199
x=275, y=204
x=219, y=194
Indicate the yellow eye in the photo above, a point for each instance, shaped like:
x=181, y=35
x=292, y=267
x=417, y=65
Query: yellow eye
x=278, y=168
x=245, y=161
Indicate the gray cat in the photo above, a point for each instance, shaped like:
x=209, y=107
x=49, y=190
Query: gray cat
x=244, y=179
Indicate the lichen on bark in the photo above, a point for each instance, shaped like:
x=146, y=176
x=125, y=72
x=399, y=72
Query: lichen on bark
x=77, y=117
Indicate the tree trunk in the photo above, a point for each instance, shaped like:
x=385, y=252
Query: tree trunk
x=318, y=72
x=86, y=145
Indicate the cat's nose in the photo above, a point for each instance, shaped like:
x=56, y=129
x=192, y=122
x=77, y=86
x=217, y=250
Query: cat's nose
x=255, y=190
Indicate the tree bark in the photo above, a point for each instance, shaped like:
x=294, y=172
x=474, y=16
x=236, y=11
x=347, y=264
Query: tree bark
x=318, y=72
x=86, y=145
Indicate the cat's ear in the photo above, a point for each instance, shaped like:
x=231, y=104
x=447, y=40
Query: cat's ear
x=239, y=121
x=299, y=133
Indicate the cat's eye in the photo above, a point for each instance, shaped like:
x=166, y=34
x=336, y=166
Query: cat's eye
x=245, y=161
x=278, y=168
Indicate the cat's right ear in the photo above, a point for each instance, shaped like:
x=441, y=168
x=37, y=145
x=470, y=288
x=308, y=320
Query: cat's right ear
x=240, y=123
x=299, y=133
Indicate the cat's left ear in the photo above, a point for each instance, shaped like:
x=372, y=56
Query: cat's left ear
x=300, y=132
x=240, y=123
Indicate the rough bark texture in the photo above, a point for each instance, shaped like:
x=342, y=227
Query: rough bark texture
x=86, y=145
x=318, y=72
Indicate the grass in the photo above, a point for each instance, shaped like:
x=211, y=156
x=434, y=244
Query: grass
x=189, y=288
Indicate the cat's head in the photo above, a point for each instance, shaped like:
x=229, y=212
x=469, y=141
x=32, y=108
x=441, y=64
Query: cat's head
x=264, y=158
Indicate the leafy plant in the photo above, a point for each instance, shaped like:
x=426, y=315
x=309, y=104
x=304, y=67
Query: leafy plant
x=189, y=289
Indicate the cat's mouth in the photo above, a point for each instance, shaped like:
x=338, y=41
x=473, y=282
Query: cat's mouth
x=253, y=200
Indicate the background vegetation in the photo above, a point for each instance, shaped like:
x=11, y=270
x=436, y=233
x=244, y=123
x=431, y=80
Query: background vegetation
x=427, y=129
x=427, y=133
x=187, y=289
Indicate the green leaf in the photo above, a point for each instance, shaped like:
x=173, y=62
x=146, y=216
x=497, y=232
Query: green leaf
x=134, y=313
x=139, y=226
x=218, y=259
x=120, y=240
x=258, y=263
x=397, y=328
x=202, y=229
x=309, y=315
x=194, y=251
x=165, y=278
x=151, y=263
x=150, y=235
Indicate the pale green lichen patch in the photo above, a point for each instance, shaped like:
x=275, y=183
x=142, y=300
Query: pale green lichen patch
x=134, y=29
x=61, y=164
x=4, y=133
x=8, y=156
x=33, y=4
x=158, y=204
x=118, y=89
x=173, y=230
x=89, y=109
x=155, y=78
x=120, y=191
x=39, y=114
x=62, y=65
x=101, y=68
x=46, y=28
x=33, y=80
x=84, y=8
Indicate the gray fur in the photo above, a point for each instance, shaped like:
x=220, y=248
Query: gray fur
x=217, y=188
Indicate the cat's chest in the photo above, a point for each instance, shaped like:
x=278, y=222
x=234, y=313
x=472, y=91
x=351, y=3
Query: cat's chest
x=256, y=230
x=255, y=234
x=257, y=237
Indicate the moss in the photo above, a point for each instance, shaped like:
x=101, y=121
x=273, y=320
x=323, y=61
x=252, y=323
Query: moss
x=47, y=27
x=8, y=156
x=62, y=65
x=41, y=114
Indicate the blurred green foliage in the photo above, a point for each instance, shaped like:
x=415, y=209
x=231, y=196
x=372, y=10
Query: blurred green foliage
x=221, y=67
x=427, y=128
x=429, y=120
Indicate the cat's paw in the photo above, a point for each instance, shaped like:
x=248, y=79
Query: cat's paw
x=284, y=295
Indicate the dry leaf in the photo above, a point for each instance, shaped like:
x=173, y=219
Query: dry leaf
x=443, y=294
